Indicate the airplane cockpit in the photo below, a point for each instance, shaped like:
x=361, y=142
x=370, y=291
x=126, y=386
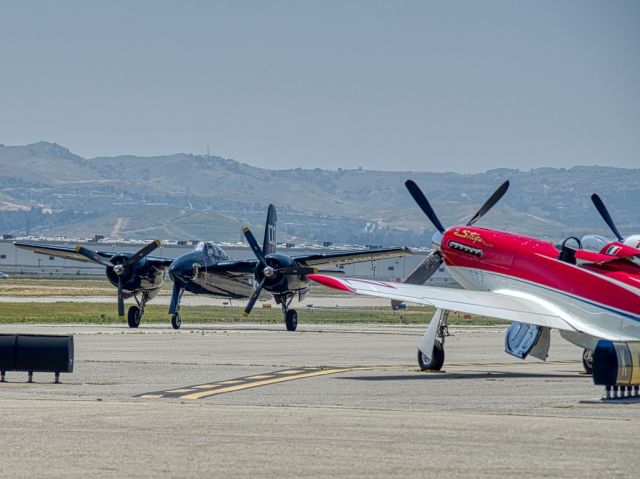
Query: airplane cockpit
x=211, y=250
x=572, y=244
x=594, y=242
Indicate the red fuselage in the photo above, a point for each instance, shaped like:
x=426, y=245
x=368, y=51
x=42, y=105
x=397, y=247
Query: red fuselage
x=614, y=284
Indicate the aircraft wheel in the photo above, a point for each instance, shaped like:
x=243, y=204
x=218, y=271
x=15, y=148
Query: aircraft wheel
x=176, y=321
x=436, y=361
x=291, y=319
x=587, y=361
x=133, y=317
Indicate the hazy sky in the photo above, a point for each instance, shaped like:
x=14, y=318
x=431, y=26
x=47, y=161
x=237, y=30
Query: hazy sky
x=404, y=85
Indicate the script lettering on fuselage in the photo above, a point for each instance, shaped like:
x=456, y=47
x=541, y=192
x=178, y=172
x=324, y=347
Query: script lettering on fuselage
x=472, y=236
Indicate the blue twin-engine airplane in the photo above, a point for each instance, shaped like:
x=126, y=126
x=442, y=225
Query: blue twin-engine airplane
x=208, y=270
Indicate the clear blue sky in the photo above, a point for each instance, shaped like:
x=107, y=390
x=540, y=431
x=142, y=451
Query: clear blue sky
x=403, y=85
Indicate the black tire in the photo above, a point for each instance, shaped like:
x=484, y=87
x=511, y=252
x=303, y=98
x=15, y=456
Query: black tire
x=437, y=358
x=291, y=319
x=587, y=361
x=133, y=317
x=176, y=321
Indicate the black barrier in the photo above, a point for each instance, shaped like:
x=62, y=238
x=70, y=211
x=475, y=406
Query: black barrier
x=36, y=353
x=616, y=366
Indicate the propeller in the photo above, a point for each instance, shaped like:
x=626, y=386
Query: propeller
x=120, y=268
x=602, y=209
x=432, y=262
x=267, y=271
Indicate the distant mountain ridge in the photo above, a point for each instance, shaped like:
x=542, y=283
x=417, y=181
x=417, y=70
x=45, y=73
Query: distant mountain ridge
x=46, y=189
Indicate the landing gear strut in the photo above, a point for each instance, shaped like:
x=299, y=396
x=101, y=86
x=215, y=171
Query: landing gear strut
x=438, y=328
x=134, y=315
x=587, y=361
x=174, y=307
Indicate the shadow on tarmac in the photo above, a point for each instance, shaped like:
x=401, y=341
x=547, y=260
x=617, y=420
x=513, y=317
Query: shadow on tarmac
x=488, y=375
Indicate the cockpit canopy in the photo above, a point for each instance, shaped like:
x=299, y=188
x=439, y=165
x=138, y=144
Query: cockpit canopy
x=595, y=242
x=211, y=250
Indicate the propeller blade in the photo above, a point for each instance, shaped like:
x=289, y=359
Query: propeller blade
x=425, y=269
x=93, y=256
x=252, y=300
x=422, y=272
x=254, y=245
x=602, y=209
x=424, y=205
x=120, y=299
x=142, y=253
x=493, y=199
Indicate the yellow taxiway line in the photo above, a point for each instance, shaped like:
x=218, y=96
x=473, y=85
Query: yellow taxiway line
x=230, y=385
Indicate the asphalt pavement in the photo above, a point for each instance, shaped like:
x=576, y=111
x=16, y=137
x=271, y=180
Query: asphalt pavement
x=338, y=401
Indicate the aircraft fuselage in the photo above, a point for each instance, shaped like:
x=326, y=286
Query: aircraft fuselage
x=598, y=299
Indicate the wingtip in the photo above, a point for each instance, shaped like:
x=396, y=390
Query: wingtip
x=245, y=229
x=121, y=317
x=245, y=314
x=157, y=242
x=330, y=282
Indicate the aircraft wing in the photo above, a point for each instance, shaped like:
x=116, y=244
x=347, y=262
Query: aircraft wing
x=69, y=252
x=351, y=257
x=237, y=267
x=485, y=303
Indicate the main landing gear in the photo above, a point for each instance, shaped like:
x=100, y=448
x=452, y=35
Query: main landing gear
x=290, y=319
x=587, y=361
x=134, y=315
x=176, y=320
x=435, y=362
x=438, y=327
x=290, y=315
x=174, y=307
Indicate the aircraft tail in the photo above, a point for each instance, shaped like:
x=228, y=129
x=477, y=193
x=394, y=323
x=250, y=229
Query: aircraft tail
x=269, y=243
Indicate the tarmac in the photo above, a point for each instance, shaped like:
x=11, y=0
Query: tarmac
x=324, y=401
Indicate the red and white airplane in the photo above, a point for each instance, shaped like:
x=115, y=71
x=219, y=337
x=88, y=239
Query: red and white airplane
x=586, y=295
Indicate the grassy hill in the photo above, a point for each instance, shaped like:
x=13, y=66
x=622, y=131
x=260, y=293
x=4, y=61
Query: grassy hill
x=46, y=189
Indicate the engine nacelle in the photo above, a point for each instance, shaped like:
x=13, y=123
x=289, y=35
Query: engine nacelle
x=616, y=363
x=142, y=276
x=280, y=283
